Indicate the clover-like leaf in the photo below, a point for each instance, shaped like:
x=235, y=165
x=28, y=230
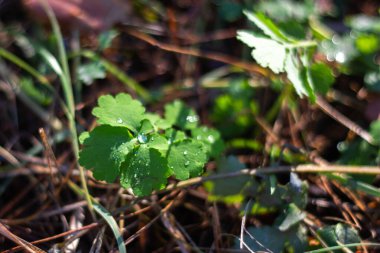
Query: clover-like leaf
x=158, y=142
x=144, y=170
x=211, y=138
x=179, y=115
x=104, y=149
x=121, y=110
x=174, y=135
x=267, y=52
x=187, y=158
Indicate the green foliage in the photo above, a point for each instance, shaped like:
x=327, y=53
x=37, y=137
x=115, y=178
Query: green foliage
x=104, y=150
x=89, y=72
x=271, y=238
x=179, y=115
x=274, y=49
x=144, y=149
x=360, y=152
x=338, y=234
x=105, y=39
x=121, y=110
x=186, y=158
x=35, y=91
x=233, y=110
x=144, y=170
x=284, y=10
x=228, y=190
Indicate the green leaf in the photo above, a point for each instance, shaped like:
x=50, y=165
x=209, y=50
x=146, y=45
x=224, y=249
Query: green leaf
x=375, y=131
x=89, y=72
x=338, y=234
x=158, y=142
x=179, y=115
x=121, y=110
x=267, y=26
x=322, y=77
x=292, y=216
x=296, y=73
x=187, y=158
x=267, y=52
x=211, y=138
x=271, y=238
x=104, y=150
x=36, y=92
x=157, y=121
x=219, y=189
x=107, y=216
x=83, y=136
x=146, y=127
x=144, y=170
x=174, y=136
x=105, y=38
x=367, y=43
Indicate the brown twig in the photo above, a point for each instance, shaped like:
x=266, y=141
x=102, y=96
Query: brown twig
x=197, y=53
x=342, y=119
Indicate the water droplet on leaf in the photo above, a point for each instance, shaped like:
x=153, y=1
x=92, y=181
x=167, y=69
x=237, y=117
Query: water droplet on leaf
x=119, y=120
x=211, y=139
x=192, y=118
x=142, y=138
x=185, y=152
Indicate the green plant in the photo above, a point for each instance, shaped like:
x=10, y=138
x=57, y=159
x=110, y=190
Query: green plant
x=282, y=53
x=145, y=149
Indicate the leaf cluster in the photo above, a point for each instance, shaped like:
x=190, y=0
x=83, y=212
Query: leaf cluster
x=144, y=149
x=282, y=53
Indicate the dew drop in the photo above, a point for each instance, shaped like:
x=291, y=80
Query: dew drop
x=119, y=120
x=185, y=152
x=187, y=163
x=192, y=118
x=211, y=139
x=142, y=138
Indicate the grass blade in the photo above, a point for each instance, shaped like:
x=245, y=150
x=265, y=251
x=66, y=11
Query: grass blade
x=23, y=65
x=112, y=224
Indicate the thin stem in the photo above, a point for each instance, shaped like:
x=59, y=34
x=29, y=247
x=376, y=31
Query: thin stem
x=327, y=108
x=68, y=92
x=307, y=168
